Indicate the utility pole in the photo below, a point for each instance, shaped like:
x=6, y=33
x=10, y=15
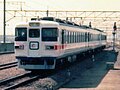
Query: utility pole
x=47, y=12
x=4, y=22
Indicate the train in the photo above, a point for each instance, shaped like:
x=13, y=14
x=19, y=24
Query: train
x=48, y=42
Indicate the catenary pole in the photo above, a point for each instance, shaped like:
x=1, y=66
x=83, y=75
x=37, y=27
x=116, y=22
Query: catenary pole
x=4, y=22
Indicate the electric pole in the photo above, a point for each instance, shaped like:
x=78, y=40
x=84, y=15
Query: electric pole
x=114, y=32
x=4, y=22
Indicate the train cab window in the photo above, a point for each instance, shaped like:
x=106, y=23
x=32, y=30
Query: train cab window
x=34, y=33
x=49, y=34
x=21, y=34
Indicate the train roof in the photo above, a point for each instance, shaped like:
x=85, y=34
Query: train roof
x=46, y=23
x=65, y=22
x=51, y=21
x=22, y=24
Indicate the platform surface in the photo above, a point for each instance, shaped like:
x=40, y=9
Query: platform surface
x=117, y=63
x=99, y=78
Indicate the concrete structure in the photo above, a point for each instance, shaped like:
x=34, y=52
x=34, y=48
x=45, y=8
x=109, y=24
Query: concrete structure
x=6, y=48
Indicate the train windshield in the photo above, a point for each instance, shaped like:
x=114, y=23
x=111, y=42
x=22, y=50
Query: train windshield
x=21, y=34
x=49, y=34
x=34, y=33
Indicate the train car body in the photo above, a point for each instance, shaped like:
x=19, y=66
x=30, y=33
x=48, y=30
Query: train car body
x=45, y=44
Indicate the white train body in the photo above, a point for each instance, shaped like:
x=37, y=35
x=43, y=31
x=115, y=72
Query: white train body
x=41, y=44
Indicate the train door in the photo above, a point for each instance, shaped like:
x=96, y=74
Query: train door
x=62, y=41
x=87, y=39
x=34, y=42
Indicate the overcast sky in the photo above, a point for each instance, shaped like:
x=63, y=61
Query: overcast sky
x=75, y=4
x=72, y=4
x=78, y=5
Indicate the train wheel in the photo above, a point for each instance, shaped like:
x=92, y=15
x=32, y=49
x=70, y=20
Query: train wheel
x=60, y=64
x=74, y=58
x=69, y=59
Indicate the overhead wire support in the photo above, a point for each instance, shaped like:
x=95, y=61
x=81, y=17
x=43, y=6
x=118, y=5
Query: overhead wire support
x=4, y=16
x=4, y=23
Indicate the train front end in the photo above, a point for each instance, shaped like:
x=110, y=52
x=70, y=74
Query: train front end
x=35, y=45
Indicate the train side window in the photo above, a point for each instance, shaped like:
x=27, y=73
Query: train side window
x=68, y=37
x=76, y=38
x=49, y=34
x=86, y=37
x=105, y=37
x=83, y=37
x=65, y=37
x=89, y=36
x=79, y=36
x=73, y=37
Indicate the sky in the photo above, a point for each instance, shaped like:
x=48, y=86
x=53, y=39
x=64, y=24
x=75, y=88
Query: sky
x=75, y=5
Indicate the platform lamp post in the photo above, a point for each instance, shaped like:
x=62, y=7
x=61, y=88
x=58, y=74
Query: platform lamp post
x=4, y=22
x=114, y=32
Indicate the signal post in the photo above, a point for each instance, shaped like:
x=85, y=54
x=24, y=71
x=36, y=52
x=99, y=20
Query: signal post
x=114, y=32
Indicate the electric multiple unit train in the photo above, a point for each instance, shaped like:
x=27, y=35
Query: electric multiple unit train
x=46, y=43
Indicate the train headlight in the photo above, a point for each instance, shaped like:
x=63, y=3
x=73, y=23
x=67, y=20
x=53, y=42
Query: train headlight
x=21, y=47
x=48, y=47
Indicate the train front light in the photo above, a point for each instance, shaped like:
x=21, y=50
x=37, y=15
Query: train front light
x=21, y=47
x=48, y=47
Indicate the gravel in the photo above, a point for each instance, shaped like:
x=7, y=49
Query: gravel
x=6, y=73
x=6, y=58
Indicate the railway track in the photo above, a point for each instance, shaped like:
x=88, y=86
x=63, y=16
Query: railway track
x=8, y=65
x=17, y=81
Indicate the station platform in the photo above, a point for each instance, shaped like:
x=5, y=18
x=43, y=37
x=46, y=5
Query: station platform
x=117, y=63
x=112, y=80
x=99, y=77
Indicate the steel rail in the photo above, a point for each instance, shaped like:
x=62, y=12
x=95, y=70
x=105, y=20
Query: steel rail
x=2, y=82
x=8, y=65
x=19, y=77
x=22, y=83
